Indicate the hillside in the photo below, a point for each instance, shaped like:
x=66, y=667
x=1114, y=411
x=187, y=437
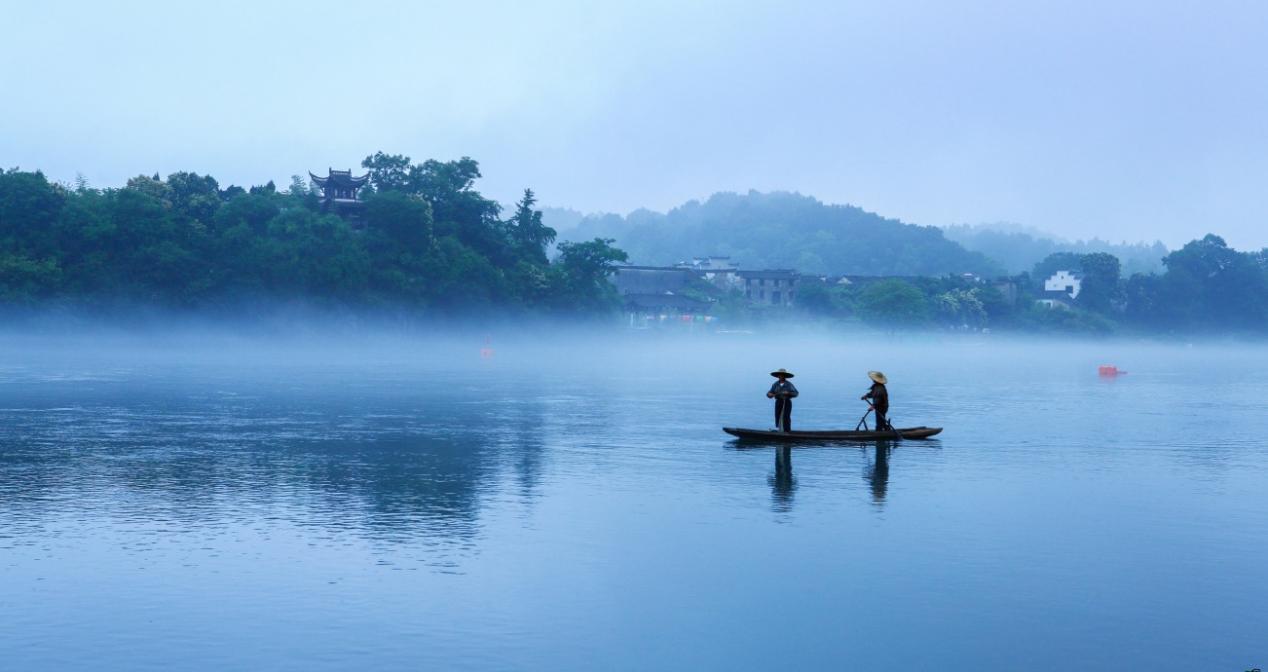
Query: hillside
x=784, y=230
x=1019, y=249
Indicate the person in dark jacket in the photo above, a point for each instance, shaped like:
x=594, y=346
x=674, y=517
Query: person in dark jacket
x=878, y=397
x=782, y=392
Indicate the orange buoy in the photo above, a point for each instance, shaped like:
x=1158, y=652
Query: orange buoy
x=1109, y=371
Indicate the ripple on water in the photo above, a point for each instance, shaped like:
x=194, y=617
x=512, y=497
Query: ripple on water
x=596, y=514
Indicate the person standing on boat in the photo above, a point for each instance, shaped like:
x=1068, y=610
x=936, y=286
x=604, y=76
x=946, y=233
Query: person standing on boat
x=782, y=392
x=878, y=397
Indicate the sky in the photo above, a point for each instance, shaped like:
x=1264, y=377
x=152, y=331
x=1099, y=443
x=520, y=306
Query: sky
x=1128, y=120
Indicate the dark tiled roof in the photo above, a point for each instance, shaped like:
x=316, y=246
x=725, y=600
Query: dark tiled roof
x=772, y=273
x=340, y=178
x=658, y=301
x=651, y=279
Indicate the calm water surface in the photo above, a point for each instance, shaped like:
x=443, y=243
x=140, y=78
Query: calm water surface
x=564, y=507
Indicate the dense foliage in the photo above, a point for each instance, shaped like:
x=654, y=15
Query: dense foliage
x=1017, y=250
x=784, y=230
x=1205, y=287
x=1208, y=286
x=429, y=241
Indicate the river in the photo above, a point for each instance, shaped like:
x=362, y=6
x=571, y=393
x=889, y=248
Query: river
x=572, y=504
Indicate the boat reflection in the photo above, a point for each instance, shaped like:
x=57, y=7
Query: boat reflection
x=783, y=483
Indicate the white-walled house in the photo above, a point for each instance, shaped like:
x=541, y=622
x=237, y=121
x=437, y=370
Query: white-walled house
x=1067, y=282
x=1061, y=289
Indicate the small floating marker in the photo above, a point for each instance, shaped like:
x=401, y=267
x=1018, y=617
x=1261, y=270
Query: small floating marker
x=487, y=351
x=1109, y=371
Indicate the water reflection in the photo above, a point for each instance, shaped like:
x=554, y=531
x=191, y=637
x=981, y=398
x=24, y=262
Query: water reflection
x=878, y=471
x=391, y=476
x=782, y=484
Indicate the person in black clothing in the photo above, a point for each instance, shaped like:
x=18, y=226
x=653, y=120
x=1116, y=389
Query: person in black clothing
x=782, y=392
x=878, y=397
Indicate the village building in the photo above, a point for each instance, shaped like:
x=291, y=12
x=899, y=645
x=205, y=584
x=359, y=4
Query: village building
x=634, y=279
x=339, y=194
x=1007, y=288
x=717, y=271
x=1061, y=289
x=687, y=292
x=1067, y=282
x=657, y=295
x=771, y=287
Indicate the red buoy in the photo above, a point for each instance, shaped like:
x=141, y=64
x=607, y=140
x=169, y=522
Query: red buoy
x=1109, y=371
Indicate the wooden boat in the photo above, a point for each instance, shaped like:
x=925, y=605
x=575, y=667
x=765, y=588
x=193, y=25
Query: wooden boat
x=832, y=434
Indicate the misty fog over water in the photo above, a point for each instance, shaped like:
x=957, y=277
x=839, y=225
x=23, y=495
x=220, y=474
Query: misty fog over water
x=418, y=336
x=567, y=500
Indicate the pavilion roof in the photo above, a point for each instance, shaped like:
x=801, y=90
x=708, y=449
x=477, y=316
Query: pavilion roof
x=340, y=178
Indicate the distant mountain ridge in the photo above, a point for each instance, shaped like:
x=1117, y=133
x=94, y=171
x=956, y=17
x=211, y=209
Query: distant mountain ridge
x=784, y=230
x=1018, y=248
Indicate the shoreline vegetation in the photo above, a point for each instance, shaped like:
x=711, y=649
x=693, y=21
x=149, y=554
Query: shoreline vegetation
x=429, y=248
x=427, y=241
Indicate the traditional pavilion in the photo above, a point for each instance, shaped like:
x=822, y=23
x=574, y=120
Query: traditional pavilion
x=339, y=193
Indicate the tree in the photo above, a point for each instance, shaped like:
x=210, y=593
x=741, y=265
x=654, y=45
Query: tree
x=1142, y=298
x=1100, y=289
x=960, y=307
x=1211, y=286
x=317, y=255
x=195, y=197
x=581, y=275
x=531, y=236
x=467, y=279
x=186, y=241
x=151, y=186
x=25, y=280
x=389, y=172
x=267, y=189
x=1042, y=319
x=893, y=303
x=459, y=210
x=994, y=304
x=403, y=218
x=1057, y=261
x=152, y=256
x=299, y=187
x=250, y=210
x=29, y=209
x=815, y=298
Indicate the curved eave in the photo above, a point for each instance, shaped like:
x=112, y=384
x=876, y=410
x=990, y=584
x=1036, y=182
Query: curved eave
x=340, y=180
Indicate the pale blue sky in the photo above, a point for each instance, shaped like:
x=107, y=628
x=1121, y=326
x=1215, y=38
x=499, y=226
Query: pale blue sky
x=1129, y=120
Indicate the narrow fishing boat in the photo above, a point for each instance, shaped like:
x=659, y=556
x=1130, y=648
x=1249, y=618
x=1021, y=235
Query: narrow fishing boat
x=833, y=434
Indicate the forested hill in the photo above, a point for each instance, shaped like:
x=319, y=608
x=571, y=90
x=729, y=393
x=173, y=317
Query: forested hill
x=1019, y=249
x=428, y=242
x=784, y=230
